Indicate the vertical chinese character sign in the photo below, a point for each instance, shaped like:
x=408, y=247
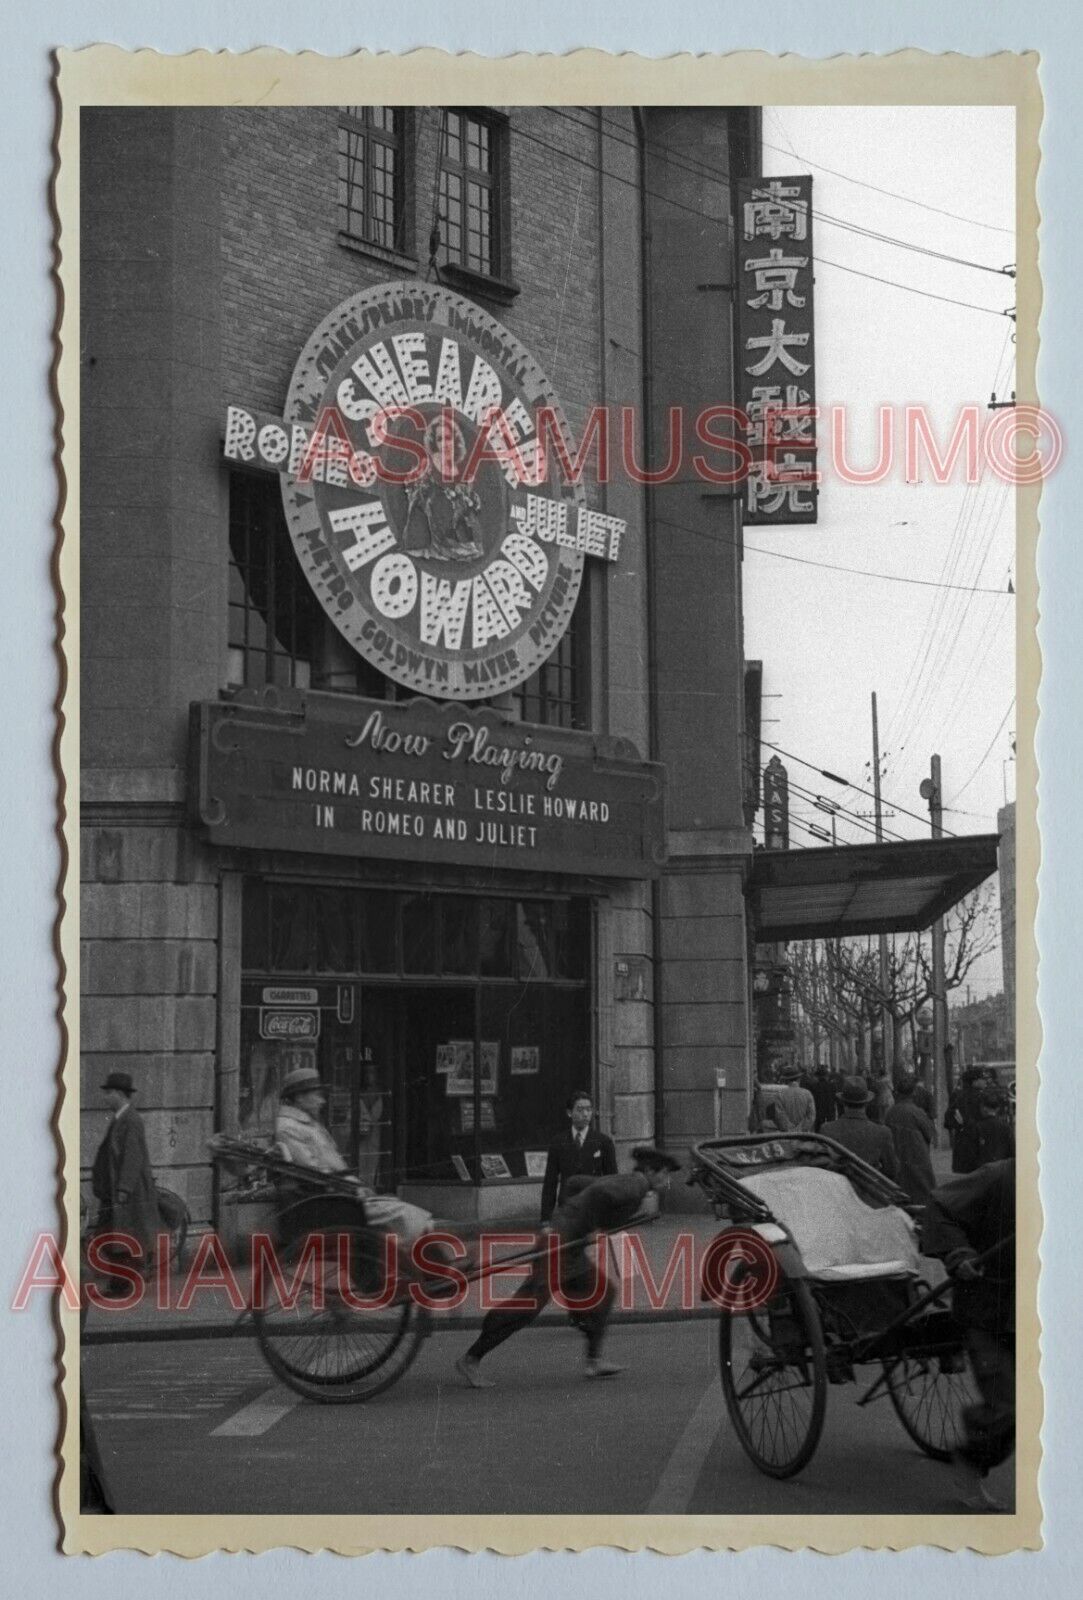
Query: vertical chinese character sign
x=776, y=364
x=776, y=806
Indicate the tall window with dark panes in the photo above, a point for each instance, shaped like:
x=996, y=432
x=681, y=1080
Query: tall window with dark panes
x=470, y=192
x=558, y=694
x=278, y=631
x=371, y=174
x=280, y=634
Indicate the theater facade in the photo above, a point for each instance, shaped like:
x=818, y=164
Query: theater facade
x=406, y=752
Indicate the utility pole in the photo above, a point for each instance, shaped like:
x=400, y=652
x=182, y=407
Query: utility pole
x=932, y=791
x=815, y=1008
x=831, y=946
x=887, y=1021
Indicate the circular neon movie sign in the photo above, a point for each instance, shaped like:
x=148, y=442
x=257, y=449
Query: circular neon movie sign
x=424, y=506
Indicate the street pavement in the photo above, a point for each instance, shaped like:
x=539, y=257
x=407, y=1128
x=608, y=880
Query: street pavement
x=189, y=1420
x=197, y=1426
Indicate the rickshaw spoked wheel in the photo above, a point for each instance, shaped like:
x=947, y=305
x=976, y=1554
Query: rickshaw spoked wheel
x=930, y=1392
x=774, y=1378
x=317, y=1340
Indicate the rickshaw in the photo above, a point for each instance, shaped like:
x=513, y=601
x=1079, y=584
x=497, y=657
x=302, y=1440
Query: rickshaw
x=848, y=1299
x=341, y=1323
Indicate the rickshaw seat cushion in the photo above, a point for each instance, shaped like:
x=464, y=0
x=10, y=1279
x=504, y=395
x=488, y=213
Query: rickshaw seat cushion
x=840, y=1238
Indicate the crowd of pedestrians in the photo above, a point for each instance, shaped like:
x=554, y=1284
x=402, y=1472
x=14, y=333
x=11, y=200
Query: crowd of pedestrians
x=888, y=1123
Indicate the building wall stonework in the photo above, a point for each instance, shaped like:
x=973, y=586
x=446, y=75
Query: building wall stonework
x=148, y=980
x=210, y=250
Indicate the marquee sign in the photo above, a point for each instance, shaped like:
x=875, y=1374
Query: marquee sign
x=424, y=508
x=337, y=776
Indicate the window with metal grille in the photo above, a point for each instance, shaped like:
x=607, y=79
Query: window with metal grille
x=278, y=632
x=558, y=694
x=371, y=174
x=471, y=226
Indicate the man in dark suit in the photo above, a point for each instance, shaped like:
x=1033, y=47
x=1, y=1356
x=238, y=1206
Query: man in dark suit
x=580, y=1151
x=871, y=1141
x=987, y=1137
x=123, y=1181
x=603, y=1204
x=823, y=1092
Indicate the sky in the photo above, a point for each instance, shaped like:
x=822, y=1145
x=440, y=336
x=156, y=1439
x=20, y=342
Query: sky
x=941, y=660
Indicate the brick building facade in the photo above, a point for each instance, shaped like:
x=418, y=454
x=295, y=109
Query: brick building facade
x=213, y=242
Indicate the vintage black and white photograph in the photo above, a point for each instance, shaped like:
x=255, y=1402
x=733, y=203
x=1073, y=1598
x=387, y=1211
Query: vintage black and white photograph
x=551, y=597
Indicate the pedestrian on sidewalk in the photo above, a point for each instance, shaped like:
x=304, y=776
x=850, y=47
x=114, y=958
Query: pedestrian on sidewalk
x=988, y=1137
x=123, y=1183
x=579, y=1151
x=785, y=1105
x=882, y=1097
x=912, y=1131
x=869, y=1140
x=599, y=1206
x=823, y=1095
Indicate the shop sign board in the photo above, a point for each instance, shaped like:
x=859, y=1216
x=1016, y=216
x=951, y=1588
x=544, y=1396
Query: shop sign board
x=291, y=1026
x=776, y=806
x=290, y=997
x=776, y=367
x=424, y=493
x=326, y=774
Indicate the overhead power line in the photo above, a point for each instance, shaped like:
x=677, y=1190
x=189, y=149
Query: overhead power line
x=886, y=577
x=828, y=566
x=696, y=211
x=833, y=777
x=894, y=194
x=698, y=167
x=843, y=811
x=987, y=754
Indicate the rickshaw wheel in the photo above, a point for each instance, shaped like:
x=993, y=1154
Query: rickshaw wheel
x=930, y=1394
x=174, y=1216
x=325, y=1348
x=774, y=1378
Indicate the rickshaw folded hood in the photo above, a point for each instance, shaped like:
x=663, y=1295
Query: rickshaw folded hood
x=838, y=1235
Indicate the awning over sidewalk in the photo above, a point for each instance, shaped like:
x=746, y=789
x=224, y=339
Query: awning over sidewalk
x=873, y=888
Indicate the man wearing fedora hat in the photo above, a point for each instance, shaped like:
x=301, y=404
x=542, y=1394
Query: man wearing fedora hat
x=122, y=1179
x=871, y=1141
x=303, y=1137
x=786, y=1104
x=589, y=1206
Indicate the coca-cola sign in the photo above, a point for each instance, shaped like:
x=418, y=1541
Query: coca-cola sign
x=293, y=1026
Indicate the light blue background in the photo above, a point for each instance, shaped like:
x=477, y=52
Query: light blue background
x=28, y=1038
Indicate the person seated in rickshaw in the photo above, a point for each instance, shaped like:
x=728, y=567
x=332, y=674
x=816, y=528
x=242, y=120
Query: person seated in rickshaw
x=301, y=1136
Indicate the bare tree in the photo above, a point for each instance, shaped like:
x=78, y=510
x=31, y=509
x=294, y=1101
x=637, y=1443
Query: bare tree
x=839, y=987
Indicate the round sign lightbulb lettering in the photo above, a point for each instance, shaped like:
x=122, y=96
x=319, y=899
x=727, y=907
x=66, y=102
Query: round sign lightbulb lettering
x=437, y=556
